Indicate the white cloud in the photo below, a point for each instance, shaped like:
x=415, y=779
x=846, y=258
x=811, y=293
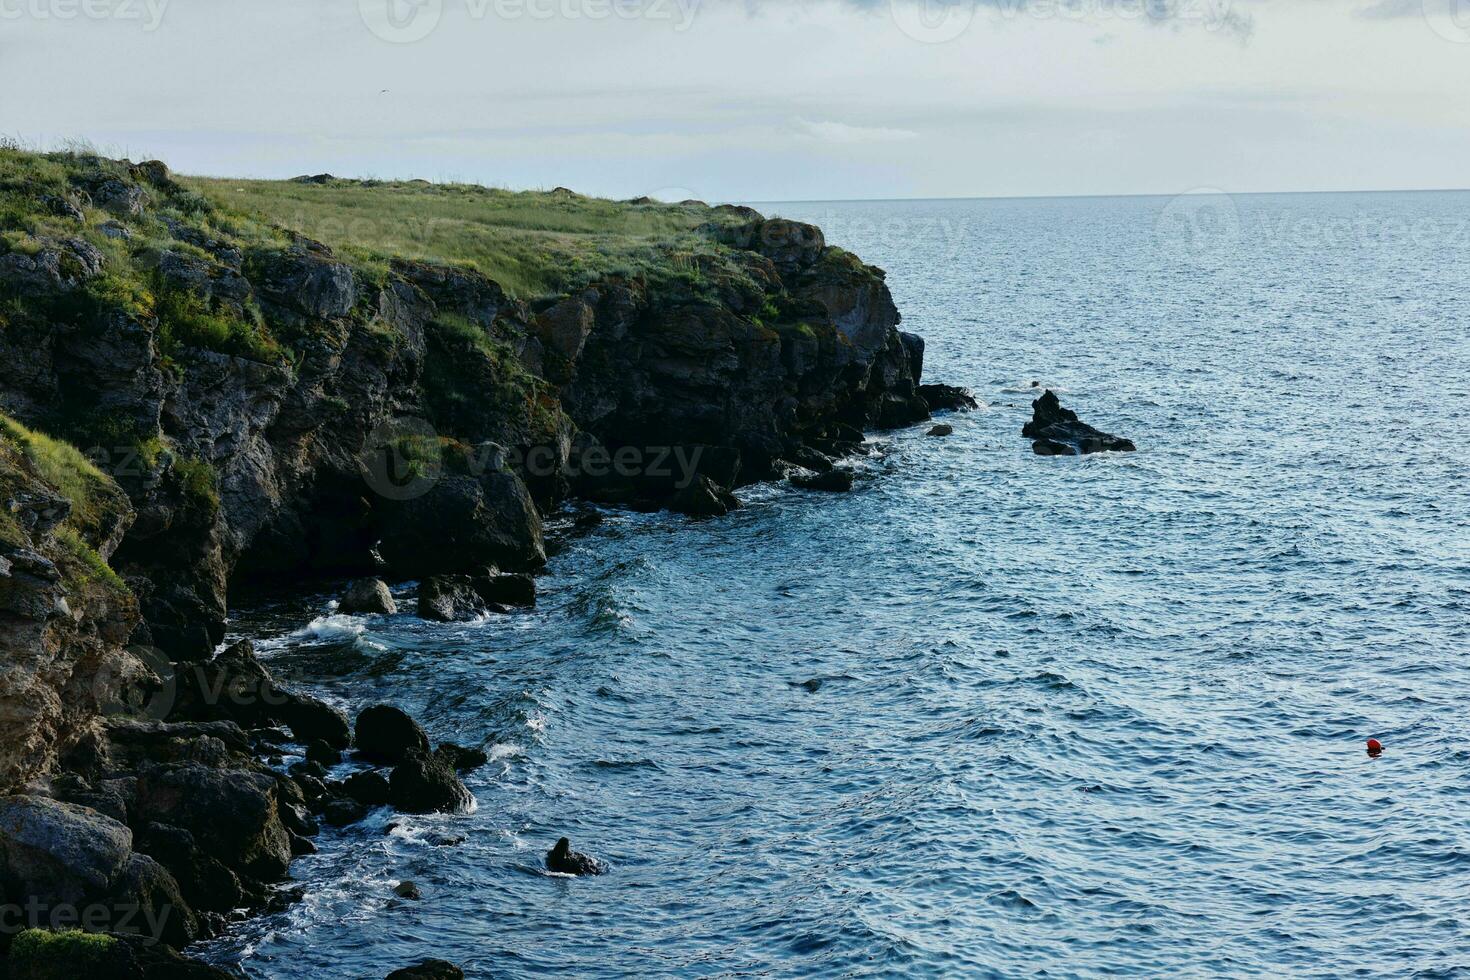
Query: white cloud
x=837, y=132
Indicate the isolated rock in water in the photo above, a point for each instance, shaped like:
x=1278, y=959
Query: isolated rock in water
x=388, y=734
x=941, y=430
x=834, y=481
x=368, y=595
x=947, y=398
x=408, y=890
x=563, y=860
x=425, y=784
x=1057, y=431
x=429, y=970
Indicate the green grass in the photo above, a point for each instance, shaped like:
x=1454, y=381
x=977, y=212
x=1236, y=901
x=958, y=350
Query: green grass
x=530, y=242
x=38, y=954
x=62, y=465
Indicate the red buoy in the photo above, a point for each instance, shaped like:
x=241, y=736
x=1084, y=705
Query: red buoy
x=1374, y=746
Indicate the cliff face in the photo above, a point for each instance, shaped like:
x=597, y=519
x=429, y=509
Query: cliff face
x=262, y=401
x=258, y=406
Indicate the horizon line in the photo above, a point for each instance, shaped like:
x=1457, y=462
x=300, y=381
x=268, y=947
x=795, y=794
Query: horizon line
x=1202, y=191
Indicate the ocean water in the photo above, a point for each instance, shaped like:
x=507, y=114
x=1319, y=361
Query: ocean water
x=991, y=714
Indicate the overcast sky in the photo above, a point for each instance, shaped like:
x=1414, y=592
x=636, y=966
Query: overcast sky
x=773, y=100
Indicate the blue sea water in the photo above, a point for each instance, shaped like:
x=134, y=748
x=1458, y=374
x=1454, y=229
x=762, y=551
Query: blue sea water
x=991, y=714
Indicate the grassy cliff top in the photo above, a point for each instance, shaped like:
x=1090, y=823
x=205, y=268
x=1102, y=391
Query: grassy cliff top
x=533, y=243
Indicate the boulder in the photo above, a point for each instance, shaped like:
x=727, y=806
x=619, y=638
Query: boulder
x=833, y=481
x=563, y=860
x=388, y=734
x=59, y=852
x=341, y=813
x=1056, y=431
x=232, y=814
x=449, y=598
x=506, y=589
x=950, y=398
x=703, y=497
x=236, y=686
x=942, y=429
x=68, y=954
x=461, y=522
x=461, y=759
x=408, y=890
x=367, y=595
x=425, y=784
x=370, y=788
x=322, y=754
x=428, y=970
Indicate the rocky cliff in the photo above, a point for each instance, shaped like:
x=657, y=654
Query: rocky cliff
x=252, y=405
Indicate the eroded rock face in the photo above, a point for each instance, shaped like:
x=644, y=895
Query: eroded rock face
x=1056, y=431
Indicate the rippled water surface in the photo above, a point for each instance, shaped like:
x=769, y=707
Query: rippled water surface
x=991, y=713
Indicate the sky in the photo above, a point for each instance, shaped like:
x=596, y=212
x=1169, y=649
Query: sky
x=760, y=100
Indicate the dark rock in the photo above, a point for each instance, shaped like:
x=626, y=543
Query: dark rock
x=302, y=846
x=563, y=860
x=232, y=814
x=428, y=970
x=367, y=595
x=449, y=598
x=388, y=734
x=834, y=481
x=506, y=589
x=460, y=523
x=461, y=759
x=951, y=398
x=370, y=788
x=341, y=813
x=1057, y=431
x=236, y=686
x=703, y=498
x=942, y=429
x=321, y=753
x=56, y=855
x=310, y=768
x=408, y=890
x=67, y=955
x=425, y=784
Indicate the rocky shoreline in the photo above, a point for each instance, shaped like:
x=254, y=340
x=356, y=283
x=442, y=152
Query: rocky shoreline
x=190, y=405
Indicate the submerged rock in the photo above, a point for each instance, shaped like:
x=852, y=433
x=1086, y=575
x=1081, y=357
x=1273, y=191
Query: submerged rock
x=941, y=430
x=1056, y=431
x=408, y=890
x=461, y=759
x=563, y=860
x=368, y=595
x=429, y=970
x=833, y=481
